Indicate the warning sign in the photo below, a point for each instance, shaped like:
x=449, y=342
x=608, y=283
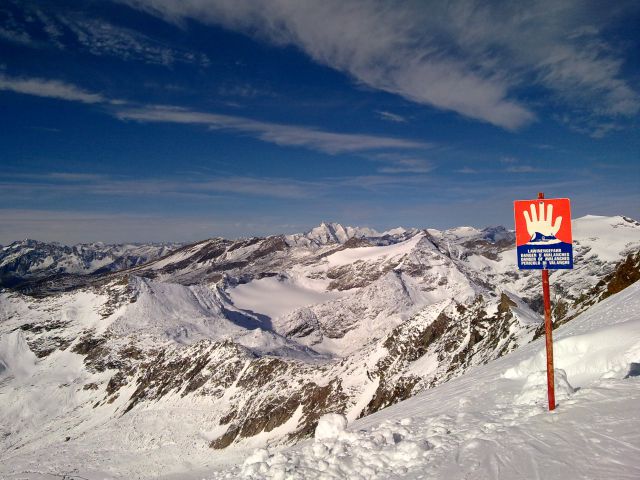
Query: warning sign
x=543, y=233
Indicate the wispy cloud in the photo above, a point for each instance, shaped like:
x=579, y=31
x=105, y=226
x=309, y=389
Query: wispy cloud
x=509, y=160
x=62, y=183
x=264, y=187
x=73, y=177
x=280, y=134
x=102, y=38
x=12, y=29
x=408, y=165
x=448, y=55
x=595, y=127
x=396, y=162
x=376, y=184
x=14, y=188
x=49, y=88
x=514, y=165
x=521, y=169
x=15, y=36
x=37, y=25
x=244, y=90
x=392, y=117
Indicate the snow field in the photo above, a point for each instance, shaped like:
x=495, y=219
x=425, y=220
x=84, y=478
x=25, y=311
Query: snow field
x=606, y=236
x=275, y=297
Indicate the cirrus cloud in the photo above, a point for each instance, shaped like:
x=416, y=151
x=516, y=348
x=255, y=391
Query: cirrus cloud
x=279, y=134
x=467, y=56
x=41, y=87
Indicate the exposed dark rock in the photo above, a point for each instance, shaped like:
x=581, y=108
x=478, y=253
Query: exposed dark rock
x=625, y=273
x=488, y=248
x=203, y=252
x=44, y=346
x=244, y=243
x=43, y=327
x=356, y=242
x=226, y=439
x=119, y=293
x=463, y=338
x=634, y=370
x=404, y=344
x=307, y=327
x=270, y=415
x=389, y=394
x=226, y=419
x=260, y=415
x=358, y=274
x=183, y=370
x=88, y=344
x=318, y=400
x=269, y=246
x=536, y=303
x=116, y=382
x=97, y=354
x=261, y=371
x=505, y=303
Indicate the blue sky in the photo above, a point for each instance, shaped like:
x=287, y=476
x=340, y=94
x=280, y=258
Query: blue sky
x=163, y=120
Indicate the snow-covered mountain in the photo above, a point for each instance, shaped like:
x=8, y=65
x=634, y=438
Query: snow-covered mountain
x=229, y=344
x=330, y=233
x=28, y=261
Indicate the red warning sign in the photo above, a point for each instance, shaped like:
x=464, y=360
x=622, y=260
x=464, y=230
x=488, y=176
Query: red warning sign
x=543, y=233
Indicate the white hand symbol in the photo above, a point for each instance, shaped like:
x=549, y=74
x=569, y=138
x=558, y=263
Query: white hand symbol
x=538, y=223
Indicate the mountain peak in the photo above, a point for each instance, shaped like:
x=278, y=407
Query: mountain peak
x=332, y=232
x=30, y=242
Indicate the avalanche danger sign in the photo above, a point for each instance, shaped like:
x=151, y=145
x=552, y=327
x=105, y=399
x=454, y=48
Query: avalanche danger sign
x=543, y=233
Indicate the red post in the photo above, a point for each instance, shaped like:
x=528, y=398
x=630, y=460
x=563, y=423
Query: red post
x=548, y=327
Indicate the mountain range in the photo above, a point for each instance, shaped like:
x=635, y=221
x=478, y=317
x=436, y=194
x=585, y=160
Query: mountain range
x=140, y=357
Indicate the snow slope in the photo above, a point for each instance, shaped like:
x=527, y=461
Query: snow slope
x=362, y=254
x=492, y=423
x=606, y=237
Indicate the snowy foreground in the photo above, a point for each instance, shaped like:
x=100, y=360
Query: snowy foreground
x=492, y=422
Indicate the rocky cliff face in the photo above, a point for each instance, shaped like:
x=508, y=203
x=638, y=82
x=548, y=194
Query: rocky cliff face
x=253, y=340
